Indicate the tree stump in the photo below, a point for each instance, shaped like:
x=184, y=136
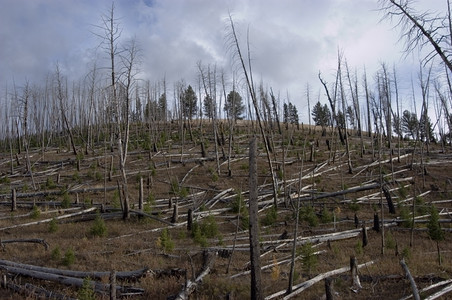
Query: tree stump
x=365, y=240
x=113, y=285
x=189, y=219
x=329, y=293
x=13, y=200
x=376, y=226
x=175, y=213
x=141, y=196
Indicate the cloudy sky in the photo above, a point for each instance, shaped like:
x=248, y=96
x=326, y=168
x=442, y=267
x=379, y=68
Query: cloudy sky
x=291, y=40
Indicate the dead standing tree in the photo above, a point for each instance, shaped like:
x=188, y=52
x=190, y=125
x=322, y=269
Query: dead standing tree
x=110, y=34
x=61, y=95
x=252, y=92
x=421, y=29
x=256, y=288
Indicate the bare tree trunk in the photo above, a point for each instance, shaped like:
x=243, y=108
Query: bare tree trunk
x=252, y=92
x=292, y=263
x=341, y=86
x=256, y=288
x=369, y=123
x=61, y=96
x=411, y=279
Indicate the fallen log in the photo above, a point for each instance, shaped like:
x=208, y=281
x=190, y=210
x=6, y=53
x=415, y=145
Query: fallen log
x=30, y=290
x=191, y=285
x=37, y=241
x=411, y=279
x=98, y=287
x=444, y=282
x=59, y=192
x=81, y=274
x=140, y=213
x=438, y=294
x=297, y=289
x=342, y=192
x=49, y=220
x=286, y=260
x=215, y=199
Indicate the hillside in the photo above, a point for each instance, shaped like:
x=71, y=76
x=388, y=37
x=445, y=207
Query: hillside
x=69, y=215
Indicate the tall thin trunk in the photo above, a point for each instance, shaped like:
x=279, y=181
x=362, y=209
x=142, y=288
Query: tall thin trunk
x=256, y=287
x=294, y=246
x=249, y=81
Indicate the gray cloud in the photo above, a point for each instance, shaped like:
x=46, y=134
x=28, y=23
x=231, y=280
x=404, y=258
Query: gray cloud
x=291, y=40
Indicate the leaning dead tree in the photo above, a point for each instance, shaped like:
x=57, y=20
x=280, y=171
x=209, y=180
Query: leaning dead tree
x=249, y=81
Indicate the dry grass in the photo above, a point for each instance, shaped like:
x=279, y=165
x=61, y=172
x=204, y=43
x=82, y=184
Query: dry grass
x=132, y=245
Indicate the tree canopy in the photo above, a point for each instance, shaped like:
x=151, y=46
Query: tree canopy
x=234, y=106
x=189, y=103
x=321, y=115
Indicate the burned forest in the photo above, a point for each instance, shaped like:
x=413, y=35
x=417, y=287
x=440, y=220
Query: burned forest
x=114, y=187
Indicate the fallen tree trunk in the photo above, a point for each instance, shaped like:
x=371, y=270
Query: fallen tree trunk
x=140, y=213
x=59, y=192
x=49, y=220
x=80, y=274
x=304, y=285
x=37, y=241
x=191, y=285
x=30, y=290
x=342, y=192
x=444, y=282
x=438, y=294
x=287, y=260
x=411, y=279
x=98, y=287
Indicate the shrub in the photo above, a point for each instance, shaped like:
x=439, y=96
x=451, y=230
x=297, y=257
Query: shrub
x=165, y=242
x=177, y=190
x=99, y=228
x=405, y=216
x=197, y=236
x=421, y=208
x=56, y=253
x=434, y=228
x=5, y=180
x=53, y=226
x=403, y=193
x=35, y=213
x=270, y=217
x=359, y=247
x=215, y=177
x=354, y=205
x=307, y=214
x=50, y=184
x=406, y=253
x=238, y=204
x=326, y=216
x=86, y=292
x=98, y=176
x=115, y=201
x=308, y=259
x=76, y=177
x=209, y=227
x=66, y=202
x=69, y=257
x=390, y=242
